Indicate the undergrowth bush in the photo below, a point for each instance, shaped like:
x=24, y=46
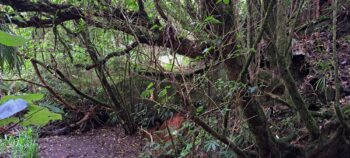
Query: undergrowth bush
x=22, y=146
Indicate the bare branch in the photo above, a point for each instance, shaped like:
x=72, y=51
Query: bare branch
x=50, y=89
x=114, y=54
x=132, y=23
x=60, y=17
x=27, y=6
x=63, y=78
x=160, y=10
x=24, y=80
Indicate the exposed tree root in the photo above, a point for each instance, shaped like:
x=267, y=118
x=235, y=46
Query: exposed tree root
x=69, y=128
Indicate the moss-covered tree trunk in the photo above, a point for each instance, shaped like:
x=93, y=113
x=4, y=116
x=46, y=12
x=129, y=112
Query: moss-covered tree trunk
x=270, y=34
x=253, y=113
x=282, y=47
x=258, y=127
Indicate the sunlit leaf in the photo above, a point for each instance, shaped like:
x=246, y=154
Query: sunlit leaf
x=7, y=121
x=11, y=40
x=132, y=5
x=226, y=1
x=26, y=97
x=163, y=92
x=39, y=116
x=211, y=19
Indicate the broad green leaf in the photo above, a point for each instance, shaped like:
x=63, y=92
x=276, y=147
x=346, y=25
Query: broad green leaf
x=146, y=93
x=200, y=109
x=150, y=85
x=224, y=1
x=34, y=108
x=211, y=19
x=53, y=108
x=163, y=92
x=26, y=97
x=39, y=116
x=7, y=121
x=155, y=27
x=11, y=40
x=132, y=5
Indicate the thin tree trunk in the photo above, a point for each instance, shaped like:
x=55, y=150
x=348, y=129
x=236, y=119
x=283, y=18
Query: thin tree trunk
x=257, y=123
x=282, y=45
x=336, y=67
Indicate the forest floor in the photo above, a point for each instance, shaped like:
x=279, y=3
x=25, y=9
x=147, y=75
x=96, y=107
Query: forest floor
x=106, y=142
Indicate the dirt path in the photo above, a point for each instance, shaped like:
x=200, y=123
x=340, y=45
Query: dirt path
x=99, y=143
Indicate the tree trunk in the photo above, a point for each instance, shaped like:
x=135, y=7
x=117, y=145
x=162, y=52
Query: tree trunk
x=257, y=124
x=282, y=45
x=270, y=34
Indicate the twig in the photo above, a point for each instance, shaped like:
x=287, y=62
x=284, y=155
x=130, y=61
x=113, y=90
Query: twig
x=50, y=89
x=63, y=78
x=243, y=74
x=24, y=80
x=222, y=138
x=148, y=133
x=279, y=99
x=114, y=54
x=212, y=110
x=171, y=137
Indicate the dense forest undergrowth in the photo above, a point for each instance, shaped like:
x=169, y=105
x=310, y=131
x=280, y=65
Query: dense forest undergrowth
x=178, y=78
